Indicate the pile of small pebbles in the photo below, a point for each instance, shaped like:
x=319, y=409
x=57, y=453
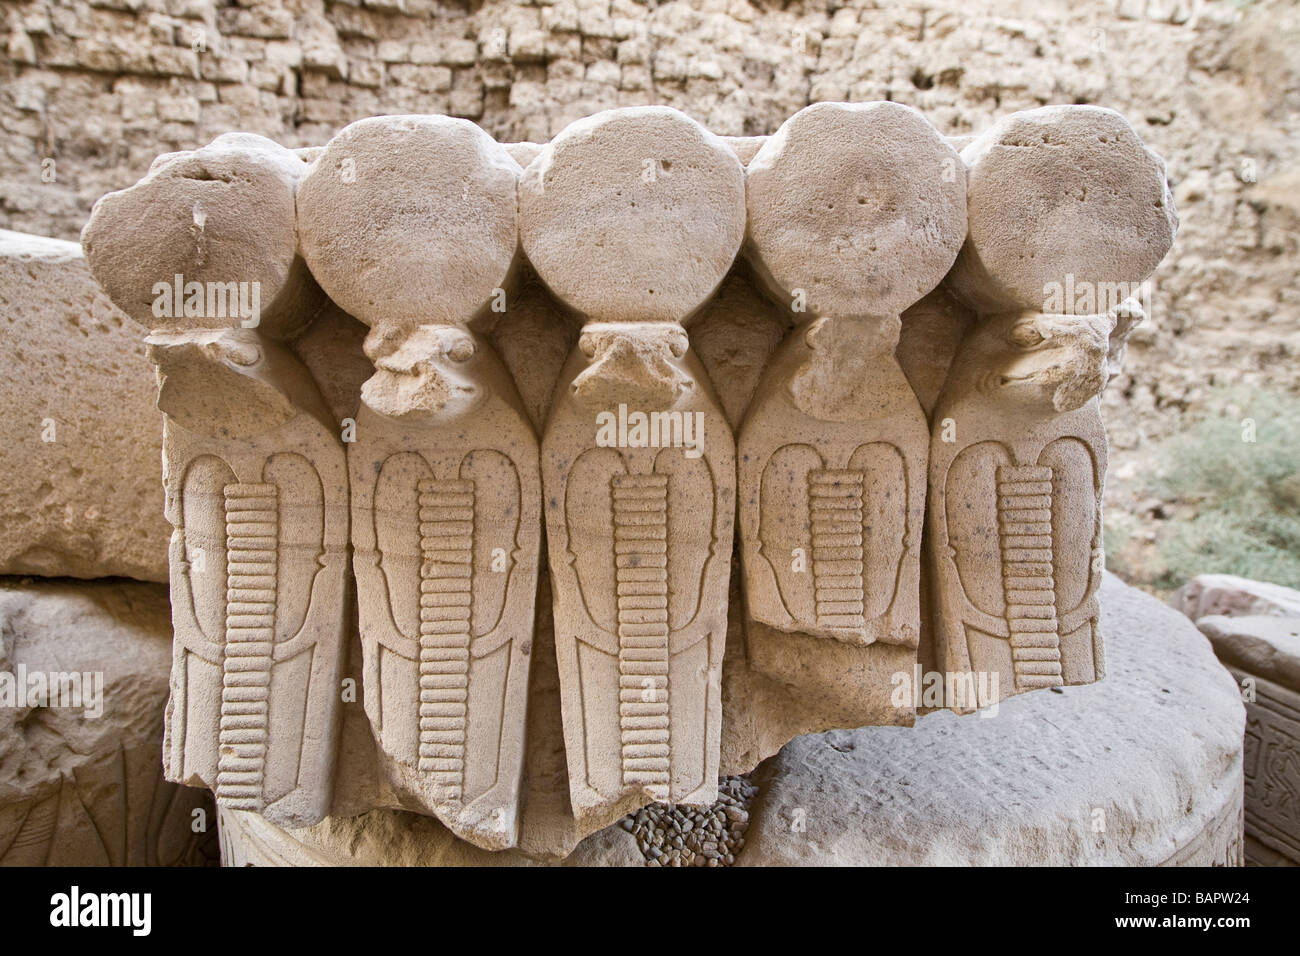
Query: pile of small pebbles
x=695, y=836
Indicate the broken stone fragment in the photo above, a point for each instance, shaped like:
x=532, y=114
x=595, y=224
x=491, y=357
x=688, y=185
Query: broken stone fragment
x=410, y=220
x=1057, y=195
x=83, y=687
x=1234, y=596
x=207, y=239
x=854, y=213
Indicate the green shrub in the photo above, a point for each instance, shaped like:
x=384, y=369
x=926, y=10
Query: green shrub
x=1236, y=503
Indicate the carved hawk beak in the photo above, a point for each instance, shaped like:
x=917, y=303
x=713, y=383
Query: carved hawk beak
x=631, y=373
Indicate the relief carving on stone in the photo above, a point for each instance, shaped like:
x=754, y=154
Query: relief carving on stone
x=638, y=461
x=446, y=526
x=855, y=213
x=1018, y=455
x=915, y=482
x=203, y=252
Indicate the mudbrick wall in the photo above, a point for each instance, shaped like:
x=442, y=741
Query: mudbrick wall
x=91, y=92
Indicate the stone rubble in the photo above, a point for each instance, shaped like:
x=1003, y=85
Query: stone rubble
x=695, y=836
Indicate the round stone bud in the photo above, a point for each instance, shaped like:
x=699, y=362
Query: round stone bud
x=855, y=209
x=221, y=218
x=1055, y=192
x=633, y=214
x=410, y=220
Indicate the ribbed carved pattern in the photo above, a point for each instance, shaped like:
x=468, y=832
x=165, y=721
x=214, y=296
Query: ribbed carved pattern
x=251, y=541
x=1025, y=533
x=446, y=511
x=835, y=515
x=641, y=572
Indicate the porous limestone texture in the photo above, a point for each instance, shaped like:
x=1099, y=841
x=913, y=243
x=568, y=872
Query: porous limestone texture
x=634, y=214
x=1092, y=203
x=855, y=211
x=80, y=776
x=1068, y=213
x=216, y=219
x=410, y=219
x=82, y=489
x=859, y=206
x=632, y=218
x=1143, y=768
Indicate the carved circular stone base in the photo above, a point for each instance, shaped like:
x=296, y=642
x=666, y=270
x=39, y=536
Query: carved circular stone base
x=1144, y=768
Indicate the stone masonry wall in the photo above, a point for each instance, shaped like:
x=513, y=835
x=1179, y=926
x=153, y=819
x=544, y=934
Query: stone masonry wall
x=92, y=90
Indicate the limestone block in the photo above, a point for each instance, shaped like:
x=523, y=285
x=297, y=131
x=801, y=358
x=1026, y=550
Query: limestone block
x=81, y=495
x=855, y=212
x=80, y=779
x=1018, y=451
x=1262, y=651
x=632, y=218
x=254, y=474
x=446, y=495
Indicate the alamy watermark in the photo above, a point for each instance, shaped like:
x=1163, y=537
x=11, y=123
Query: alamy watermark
x=1077, y=296
x=636, y=429
x=179, y=299
x=72, y=689
x=956, y=690
x=76, y=909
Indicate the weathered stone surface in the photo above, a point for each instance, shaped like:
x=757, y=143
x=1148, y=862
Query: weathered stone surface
x=855, y=211
x=1018, y=451
x=82, y=785
x=932, y=332
x=219, y=219
x=257, y=494
x=633, y=218
x=82, y=489
x=1089, y=198
x=659, y=682
x=860, y=207
x=391, y=838
x=1233, y=596
x=253, y=468
x=633, y=214
x=99, y=92
x=1142, y=768
x=407, y=220
x=411, y=222
x=1265, y=645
